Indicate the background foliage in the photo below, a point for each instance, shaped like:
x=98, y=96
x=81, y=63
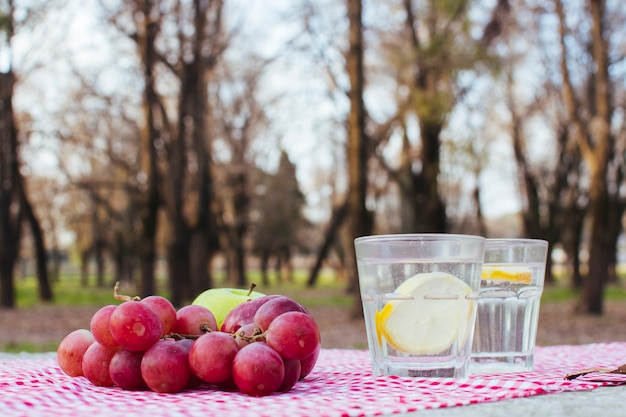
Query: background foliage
x=196, y=140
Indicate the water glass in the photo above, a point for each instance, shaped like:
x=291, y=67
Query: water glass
x=419, y=295
x=508, y=305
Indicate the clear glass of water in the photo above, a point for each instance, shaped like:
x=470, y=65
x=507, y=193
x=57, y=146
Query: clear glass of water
x=419, y=299
x=508, y=305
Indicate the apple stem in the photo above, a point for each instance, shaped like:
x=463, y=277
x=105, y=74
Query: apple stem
x=118, y=296
x=252, y=287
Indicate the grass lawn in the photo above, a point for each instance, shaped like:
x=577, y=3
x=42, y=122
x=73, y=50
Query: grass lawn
x=69, y=291
x=328, y=291
x=35, y=327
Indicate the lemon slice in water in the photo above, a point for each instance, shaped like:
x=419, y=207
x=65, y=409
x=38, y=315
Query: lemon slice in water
x=516, y=274
x=431, y=311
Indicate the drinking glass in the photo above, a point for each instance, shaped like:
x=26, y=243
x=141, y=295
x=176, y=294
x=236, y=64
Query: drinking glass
x=419, y=294
x=508, y=305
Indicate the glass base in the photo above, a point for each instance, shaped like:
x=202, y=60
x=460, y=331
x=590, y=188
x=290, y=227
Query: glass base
x=485, y=364
x=413, y=370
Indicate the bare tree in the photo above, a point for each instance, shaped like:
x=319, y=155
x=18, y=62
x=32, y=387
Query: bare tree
x=237, y=119
x=10, y=224
x=177, y=146
x=360, y=221
x=423, y=59
x=15, y=206
x=151, y=198
x=590, y=121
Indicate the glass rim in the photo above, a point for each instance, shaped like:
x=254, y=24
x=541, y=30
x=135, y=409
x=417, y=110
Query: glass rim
x=495, y=241
x=419, y=237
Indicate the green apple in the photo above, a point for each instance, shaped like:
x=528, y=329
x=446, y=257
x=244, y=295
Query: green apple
x=222, y=300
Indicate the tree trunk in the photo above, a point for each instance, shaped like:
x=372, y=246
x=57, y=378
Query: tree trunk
x=600, y=245
x=84, y=268
x=480, y=218
x=10, y=227
x=204, y=228
x=241, y=206
x=178, y=268
x=265, y=258
x=430, y=209
x=423, y=191
x=147, y=243
x=577, y=278
x=177, y=188
x=594, y=139
x=191, y=138
x=99, y=255
x=150, y=201
x=531, y=218
x=98, y=244
x=614, y=214
x=359, y=220
x=337, y=218
x=7, y=284
x=199, y=264
x=45, y=290
x=286, y=271
x=597, y=150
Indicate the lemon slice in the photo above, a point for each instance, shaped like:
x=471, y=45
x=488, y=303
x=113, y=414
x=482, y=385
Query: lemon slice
x=515, y=274
x=430, y=313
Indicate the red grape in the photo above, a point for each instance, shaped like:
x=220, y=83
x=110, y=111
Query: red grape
x=258, y=369
x=194, y=320
x=125, y=370
x=211, y=357
x=307, y=364
x=96, y=364
x=294, y=335
x=164, y=309
x=186, y=343
x=165, y=366
x=194, y=381
x=100, y=328
x=246, y=330
x=228, y=385
x=135, y=326
x=71, y=350
x=274, y=308
x=292, y=374
x=244, y=313
x=148, y=344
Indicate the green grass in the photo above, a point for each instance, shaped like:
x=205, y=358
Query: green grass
x=29, y=347
x=328, y=291
x=68, y=291
x=560, y=293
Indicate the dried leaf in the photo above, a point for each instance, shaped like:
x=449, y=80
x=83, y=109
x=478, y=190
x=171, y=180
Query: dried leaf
x=619, y=370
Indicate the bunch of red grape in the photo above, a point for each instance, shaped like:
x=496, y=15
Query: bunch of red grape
x=265, y=345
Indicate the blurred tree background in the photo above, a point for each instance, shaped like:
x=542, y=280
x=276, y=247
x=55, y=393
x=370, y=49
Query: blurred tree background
x=212, y=136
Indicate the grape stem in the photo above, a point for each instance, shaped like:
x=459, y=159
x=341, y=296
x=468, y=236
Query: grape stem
x=257, y=336
x=118, y=296
x=204, y=327
x=178, y=336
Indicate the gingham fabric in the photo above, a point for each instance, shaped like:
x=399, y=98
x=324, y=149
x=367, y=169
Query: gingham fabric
x=340, y=385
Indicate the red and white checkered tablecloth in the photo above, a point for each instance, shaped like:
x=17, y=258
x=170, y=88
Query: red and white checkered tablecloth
x=341, y=385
